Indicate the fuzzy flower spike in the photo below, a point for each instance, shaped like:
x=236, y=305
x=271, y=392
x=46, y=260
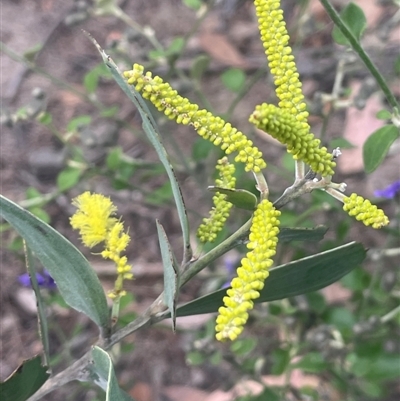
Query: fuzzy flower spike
x=251, y=274
x=208, y=126
x=96, y=223
x=288, y=123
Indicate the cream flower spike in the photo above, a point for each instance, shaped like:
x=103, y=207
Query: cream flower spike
x=251, y=274
x=208, y=126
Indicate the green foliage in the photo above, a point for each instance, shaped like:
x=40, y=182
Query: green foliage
x=298, y=277
x=76, y=280
x=234, y=79
x=353, y=16
x=377, y=145
x=25, y=381
x=313, y=362
x=68, y=178
x=281, y=360
x=104, y=376
x=194, y=4
x=91, y=79
x=171, y=273
x=348, y=345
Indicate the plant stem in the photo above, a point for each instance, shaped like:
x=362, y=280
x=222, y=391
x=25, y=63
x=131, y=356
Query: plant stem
x=390, y=315
x=355, y=44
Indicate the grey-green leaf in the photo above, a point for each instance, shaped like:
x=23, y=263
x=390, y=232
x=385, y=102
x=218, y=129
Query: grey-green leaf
x=287, y=234
x=377, y=145
x=24, y=381
x=41, y=307
x=353, y=16
x=150, y=128
x=301, y=276
x=240, y=198
x=106, y=378
x=75, y=278
x=171, y=273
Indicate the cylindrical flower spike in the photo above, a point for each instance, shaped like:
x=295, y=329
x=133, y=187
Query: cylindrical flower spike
x=211, y=226
x=364, y=211
x=208, y=126
x=96, y=224
x=251, y=274
x=275, y=39
x=299, y=141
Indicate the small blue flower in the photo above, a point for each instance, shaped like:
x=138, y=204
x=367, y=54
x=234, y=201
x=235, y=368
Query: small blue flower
x=389, y=192
x=44, y=280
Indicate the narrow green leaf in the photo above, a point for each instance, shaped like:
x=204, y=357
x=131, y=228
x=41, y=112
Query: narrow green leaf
x=171, y=273
x=240, y=198
x=377, y=145
x=75, y=278
x=42, y=315
x=24, y=381
x=150, y=127
x=301, y=276
x=106, y=378
x=353, y=16
x=287, y=234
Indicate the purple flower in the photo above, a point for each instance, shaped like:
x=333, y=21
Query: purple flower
x=389, y=192
x=231, y=266
x=44, y=280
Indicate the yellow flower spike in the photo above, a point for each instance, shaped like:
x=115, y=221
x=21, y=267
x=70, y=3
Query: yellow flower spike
x=93, y=218
x=295, y=135
x=364, y=211
x=251, y=274
x=96, y=223
x=211, y=226
x=282, y=64
x=208, y=126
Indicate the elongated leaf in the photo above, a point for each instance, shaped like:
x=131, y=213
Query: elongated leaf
x=295, y=278
x=240, y=198
x=41, y=307
x=25, y=381
x=171, y=273
x=377, y=145
x=106, y=376
x=150, y=127
x=289, y=234
x=75, y=278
